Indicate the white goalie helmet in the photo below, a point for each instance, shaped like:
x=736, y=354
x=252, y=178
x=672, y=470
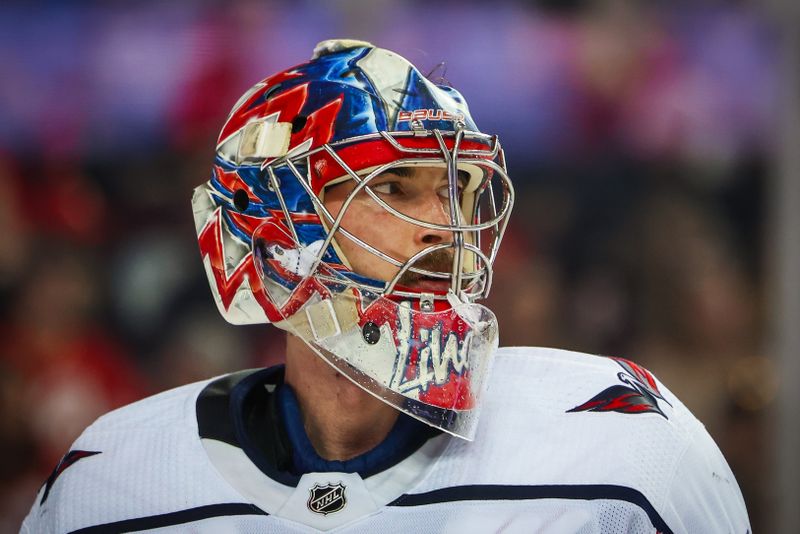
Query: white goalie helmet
x=274, y=252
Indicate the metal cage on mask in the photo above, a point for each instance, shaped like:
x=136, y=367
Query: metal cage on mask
x=426, y=353
x=470, y=275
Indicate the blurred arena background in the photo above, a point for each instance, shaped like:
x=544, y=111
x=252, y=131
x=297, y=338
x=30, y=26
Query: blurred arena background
x=652, y=145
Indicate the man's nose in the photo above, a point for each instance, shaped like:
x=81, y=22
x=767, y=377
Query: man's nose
x=433, y=210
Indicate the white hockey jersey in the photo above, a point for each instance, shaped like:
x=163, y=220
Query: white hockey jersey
x=567, y=443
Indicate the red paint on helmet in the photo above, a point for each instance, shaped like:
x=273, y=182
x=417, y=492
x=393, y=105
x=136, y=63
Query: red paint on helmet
x=210, y=240
x=377, y=152
x=287, y=104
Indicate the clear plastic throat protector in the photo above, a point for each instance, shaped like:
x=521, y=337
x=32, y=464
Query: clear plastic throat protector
x=427, y=358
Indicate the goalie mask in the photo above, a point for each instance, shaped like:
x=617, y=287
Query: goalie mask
x=273, y=248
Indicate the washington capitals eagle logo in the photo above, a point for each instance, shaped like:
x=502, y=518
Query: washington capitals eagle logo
x=639, y=394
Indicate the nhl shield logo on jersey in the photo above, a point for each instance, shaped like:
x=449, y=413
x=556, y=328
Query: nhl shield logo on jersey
x=326, y=499
x=640, y=394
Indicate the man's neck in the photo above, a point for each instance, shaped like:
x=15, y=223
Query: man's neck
x=341, y=420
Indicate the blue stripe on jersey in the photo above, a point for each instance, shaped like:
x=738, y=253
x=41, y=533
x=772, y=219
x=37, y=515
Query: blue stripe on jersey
x=406, y=437
x=491, y=492
x=173, y=518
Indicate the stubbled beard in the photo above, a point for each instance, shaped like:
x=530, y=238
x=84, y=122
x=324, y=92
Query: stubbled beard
x=437, y=261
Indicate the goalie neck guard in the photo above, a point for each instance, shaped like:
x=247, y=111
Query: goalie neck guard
x=270, y=249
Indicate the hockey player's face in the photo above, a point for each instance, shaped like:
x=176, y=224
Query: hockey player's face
x=420, y=193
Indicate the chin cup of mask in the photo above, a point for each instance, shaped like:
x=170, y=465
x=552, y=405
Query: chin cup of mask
x=428, y=358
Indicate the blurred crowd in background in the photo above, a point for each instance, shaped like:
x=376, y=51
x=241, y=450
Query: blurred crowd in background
x=638, y=135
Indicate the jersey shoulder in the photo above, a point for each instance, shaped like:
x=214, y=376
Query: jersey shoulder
x=563, y=423
x=139, y=460
x=590, y=383
x=163, y=409
x=573, y=409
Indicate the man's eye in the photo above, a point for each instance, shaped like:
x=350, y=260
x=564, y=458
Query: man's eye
x=386, y=188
